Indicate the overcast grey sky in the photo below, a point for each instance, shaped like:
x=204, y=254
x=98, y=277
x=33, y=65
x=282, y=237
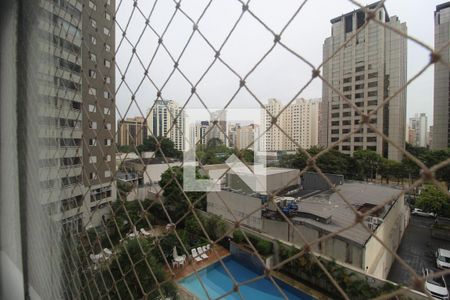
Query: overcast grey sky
x=281, y=75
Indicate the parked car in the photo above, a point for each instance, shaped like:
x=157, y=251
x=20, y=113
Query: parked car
x=419, y=212
x=443, y=258
x=436, y=286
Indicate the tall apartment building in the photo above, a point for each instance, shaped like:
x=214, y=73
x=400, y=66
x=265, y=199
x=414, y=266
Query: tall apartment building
x=246, y=135
x=418, y=130
x=198, y=133
x=161, y=122
x=218, y=127
x=369, y=69
x=441, y=112
x=273, y=139
x=299, y=121
x=131, y=131
x=77, y=116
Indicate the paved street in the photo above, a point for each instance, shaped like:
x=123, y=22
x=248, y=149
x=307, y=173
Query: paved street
x=417, y=250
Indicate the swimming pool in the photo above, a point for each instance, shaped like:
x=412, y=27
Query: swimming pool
x=217, y=282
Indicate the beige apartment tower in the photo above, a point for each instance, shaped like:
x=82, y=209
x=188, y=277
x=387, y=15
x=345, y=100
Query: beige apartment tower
x=131, y=131
x=368, y=70
x=298, y=122
x=441, y=114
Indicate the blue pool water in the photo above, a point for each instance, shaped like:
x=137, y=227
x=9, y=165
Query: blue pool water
x=217, y=282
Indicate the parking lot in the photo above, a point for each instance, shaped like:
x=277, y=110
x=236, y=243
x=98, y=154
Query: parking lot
x=417, y=250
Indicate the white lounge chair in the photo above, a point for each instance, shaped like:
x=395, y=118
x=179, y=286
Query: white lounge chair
x=145, y=232
x=195, y=255
x=96, y=258
x=208, y=247
x=204, y=249
x=200, y=252
x=107, y=252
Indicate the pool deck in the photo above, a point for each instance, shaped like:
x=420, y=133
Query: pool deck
x=213, y=256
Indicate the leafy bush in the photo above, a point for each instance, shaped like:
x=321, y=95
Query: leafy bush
x=264, y=248
x=238, y=237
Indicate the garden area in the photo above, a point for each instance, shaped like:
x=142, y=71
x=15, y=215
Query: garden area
x=140, y=252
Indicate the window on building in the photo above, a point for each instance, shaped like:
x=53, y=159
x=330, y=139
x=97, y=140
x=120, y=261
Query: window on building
x=93, y=23
x=107, y=48
x=359, y=69
x=108, y=158
x=92, y=74
x=92, y=91
x=108, y=79
x=92, y=176
x=107, y=63
x=92, y=108
x=92, y=5
x=107, y=16
x=108, y=126
x=93, y=142
x=106, y=95
x=92, y=125
x=107, y=173
x=92, y=159
x=106, y=31
x=93, y=57
x=106, y=111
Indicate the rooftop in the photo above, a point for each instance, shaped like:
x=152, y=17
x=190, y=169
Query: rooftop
x=328, y=204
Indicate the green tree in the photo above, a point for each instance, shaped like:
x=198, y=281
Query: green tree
x=174, y=199
x=390, y=169
x=368, y=163
x=431, y=199
x=246, y=155
x=125, y=148
x=136, y=273
x=167, y=147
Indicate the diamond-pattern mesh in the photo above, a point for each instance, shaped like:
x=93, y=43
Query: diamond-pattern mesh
x=140, y=265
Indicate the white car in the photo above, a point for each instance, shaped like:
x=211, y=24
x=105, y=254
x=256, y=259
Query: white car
x=443, y=258
x=436, y=286
x=419, y=212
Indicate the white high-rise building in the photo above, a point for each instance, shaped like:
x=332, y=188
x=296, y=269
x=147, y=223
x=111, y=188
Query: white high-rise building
x=418, y=127
x=161, y=122
x=198, y=133
x=441, y=112
x=369, y=69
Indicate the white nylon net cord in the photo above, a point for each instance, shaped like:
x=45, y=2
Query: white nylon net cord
x=141, y=267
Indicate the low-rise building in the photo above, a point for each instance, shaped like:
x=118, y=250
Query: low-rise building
x=316, y=212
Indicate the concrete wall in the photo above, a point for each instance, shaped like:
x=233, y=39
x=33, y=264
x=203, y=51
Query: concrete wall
x=335, y=247
x=378, y=260
x=240, y=206
x=153, y=172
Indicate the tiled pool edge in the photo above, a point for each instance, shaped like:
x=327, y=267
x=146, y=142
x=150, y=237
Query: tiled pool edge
x=299, y=286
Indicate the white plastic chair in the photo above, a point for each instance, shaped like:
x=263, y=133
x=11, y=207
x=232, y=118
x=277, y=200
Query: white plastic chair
x=195, y=255
x=200, y=252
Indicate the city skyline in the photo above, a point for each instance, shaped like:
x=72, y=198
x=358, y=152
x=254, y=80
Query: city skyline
x=417, y=14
